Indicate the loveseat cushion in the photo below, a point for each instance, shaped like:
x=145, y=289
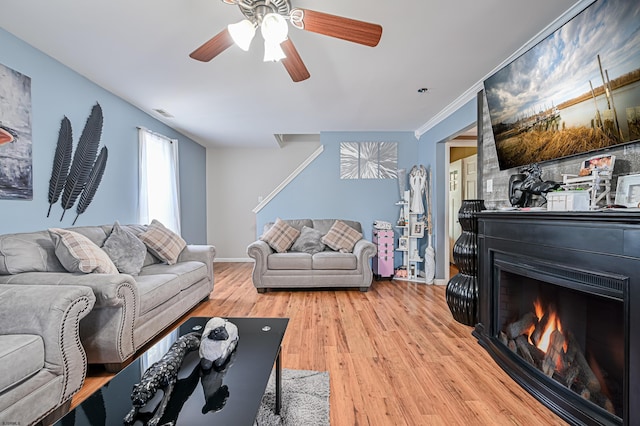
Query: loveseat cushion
x=280, y=236
x=328, y=260
x=309, y=241
x=21, y=356
x=342, y=237
x=290, y=260
x=28, y=252
x=296, y=223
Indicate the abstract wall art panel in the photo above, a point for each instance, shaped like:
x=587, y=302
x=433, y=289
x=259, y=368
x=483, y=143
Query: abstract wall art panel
x=368, y=160
x=16, y=174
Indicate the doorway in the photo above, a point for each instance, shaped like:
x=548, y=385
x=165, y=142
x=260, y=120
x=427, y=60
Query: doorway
x=461, y=163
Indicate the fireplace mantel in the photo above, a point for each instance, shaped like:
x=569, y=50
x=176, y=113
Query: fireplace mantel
x=597, y=253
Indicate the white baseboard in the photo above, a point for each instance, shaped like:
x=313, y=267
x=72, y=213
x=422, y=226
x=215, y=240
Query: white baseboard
x=234, y=259
x=440, y=281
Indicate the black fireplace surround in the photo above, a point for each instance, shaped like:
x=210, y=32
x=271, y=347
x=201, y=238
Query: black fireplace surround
x=585, y=268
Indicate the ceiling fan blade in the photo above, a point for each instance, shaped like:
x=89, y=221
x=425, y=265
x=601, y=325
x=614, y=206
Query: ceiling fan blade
x=344, y=28
x=212, y=48
x=293, y=62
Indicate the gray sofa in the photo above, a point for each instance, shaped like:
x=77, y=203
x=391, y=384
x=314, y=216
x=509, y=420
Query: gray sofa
x=129, y=310
x=327, y=268
x=42, y=363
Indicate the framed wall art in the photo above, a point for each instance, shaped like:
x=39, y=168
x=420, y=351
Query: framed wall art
x=368, y=160
x=16, y=167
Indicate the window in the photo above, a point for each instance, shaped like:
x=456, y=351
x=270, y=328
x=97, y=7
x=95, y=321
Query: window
x=159, y=196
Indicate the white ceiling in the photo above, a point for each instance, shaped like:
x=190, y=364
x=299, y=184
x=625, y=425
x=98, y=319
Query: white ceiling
x=139, y=50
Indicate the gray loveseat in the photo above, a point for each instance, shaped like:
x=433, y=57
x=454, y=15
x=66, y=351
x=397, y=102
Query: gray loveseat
x=42, y=363
x=299, y=269
x=129, y=310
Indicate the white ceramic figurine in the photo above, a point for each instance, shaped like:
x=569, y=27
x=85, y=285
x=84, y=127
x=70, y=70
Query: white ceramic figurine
x=219, y=339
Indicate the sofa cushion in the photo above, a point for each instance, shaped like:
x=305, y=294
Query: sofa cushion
x=28, y=252
x=291, y=260
x=188, y=273
x=334, y=260
x=309, y=241
x=280, y=236
x=125, y=250
x=165, y=244
x=78, y=253
x=21, y=356
x=342, y=237
x=154, y=290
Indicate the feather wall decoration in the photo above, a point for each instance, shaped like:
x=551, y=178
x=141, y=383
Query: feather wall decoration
x=83, y=159
x=61, y=162
x=92, y=183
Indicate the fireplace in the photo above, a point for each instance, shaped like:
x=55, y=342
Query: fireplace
x=559, y=309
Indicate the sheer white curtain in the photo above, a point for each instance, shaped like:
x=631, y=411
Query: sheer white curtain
x=158, y=193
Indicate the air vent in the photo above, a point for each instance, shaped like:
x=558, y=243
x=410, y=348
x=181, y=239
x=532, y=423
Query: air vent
x=163, y=113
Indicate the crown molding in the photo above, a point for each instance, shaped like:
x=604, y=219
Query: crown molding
x=472, y=92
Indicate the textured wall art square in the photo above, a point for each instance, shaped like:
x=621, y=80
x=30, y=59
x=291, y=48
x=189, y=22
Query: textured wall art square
x=16, y=174
x=368, y=160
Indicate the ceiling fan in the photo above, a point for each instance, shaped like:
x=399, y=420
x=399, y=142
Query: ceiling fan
x=271, y=17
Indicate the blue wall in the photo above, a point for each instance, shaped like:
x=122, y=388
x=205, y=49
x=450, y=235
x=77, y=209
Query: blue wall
x=432, y=150
x=319, y=193
x=57, y=91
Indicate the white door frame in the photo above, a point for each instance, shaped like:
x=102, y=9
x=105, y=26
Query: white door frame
x=454, y=143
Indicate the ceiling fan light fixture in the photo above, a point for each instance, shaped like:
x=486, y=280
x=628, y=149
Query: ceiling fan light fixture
x=273, y=52
x=242, y=33
x=274, y=28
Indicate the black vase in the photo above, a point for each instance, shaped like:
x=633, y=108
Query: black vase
x=462, y=289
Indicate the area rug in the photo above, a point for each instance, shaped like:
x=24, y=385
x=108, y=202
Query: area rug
x=305, y=400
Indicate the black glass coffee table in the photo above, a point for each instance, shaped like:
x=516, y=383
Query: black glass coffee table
x=229, y=397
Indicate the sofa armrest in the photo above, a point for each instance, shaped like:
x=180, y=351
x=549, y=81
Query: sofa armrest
x=201, y=253
x=107, y=288
x=364, y=250
x=259, y=251
x=53, y=313
x=107, y=332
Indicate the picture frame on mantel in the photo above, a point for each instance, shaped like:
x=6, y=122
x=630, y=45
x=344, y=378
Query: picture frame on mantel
x=628, y=191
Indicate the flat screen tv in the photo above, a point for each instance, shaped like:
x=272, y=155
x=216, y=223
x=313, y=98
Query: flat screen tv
x=576, y=91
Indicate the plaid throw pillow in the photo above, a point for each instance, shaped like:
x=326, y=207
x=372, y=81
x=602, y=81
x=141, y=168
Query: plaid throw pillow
x=341, y=237
x=165, y=244
x=280, y=236
x=78, y=253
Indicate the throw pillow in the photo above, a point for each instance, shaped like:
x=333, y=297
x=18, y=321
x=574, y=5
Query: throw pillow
x=309, y=241
x=280, y=236
x=78, y=253
x=341, y=237
x=125, y=250
x=165, y=244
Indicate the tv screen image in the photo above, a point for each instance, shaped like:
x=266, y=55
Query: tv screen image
x=576, y=91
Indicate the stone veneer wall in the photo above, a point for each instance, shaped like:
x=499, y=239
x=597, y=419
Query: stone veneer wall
x=627, y=162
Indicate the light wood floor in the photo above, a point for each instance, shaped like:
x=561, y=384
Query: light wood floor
x=395, y=355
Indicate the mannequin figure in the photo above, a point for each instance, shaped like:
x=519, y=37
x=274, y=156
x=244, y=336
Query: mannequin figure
x=417, y=180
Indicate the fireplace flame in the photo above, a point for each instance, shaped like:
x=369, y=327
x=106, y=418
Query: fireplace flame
x=553, y=324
